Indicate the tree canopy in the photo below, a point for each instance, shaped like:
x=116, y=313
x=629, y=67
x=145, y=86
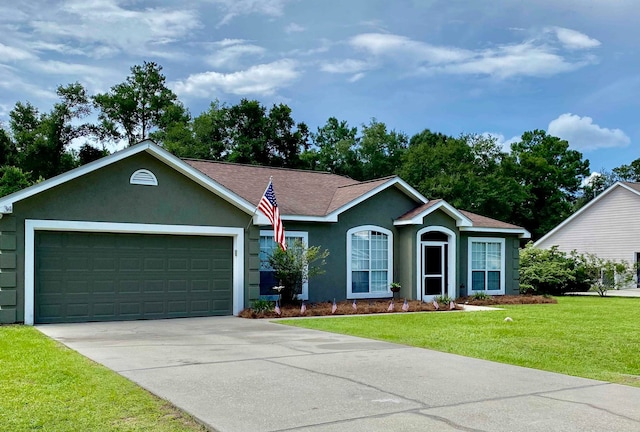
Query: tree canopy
x=536, y=183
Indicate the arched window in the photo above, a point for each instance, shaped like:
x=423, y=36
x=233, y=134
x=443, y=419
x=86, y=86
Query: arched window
x=369, y=262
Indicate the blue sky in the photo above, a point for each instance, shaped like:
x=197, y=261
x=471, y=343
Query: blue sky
x=476, y=66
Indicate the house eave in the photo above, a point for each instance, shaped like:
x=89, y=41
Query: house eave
x=7, y=202
x=520, y=232
x=461, y=220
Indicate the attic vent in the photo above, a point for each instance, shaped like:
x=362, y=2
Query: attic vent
x=143, y=177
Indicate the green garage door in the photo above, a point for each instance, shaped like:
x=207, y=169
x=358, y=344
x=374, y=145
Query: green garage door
x=106, y=277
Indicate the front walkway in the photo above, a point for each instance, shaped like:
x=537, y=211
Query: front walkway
x=248, y=375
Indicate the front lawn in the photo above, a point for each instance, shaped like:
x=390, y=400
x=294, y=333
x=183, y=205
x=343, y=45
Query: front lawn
x=45, y=386
x=591, y=337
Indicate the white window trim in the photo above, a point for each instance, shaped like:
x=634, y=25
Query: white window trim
x=452, y=261
x=500, y=240
x=387, y=293
x=305, y=239
x=31, y=226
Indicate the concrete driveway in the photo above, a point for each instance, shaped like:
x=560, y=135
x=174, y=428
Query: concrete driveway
x=247, y=375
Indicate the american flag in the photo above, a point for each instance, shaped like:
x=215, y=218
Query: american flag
x=269, y=207
x=405, y=305
x=334, y=307
x=452, y=305
x=391, y=306
x=303, y=309
x=278, y=311
x=354, y=305
x=435, y=304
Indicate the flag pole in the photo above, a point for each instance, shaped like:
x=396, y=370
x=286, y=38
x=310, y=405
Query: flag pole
x=256, y=210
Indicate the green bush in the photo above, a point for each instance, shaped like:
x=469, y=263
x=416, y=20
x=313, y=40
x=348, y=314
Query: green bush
x=480, y=295
x=260, y=305
x=553, y=272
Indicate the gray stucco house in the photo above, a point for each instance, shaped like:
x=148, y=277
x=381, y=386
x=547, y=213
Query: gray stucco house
x=142, y=234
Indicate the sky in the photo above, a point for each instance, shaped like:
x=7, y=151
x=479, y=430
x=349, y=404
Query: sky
x=500, y=67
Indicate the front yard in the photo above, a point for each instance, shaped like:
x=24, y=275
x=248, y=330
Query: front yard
x=47, y=387
x=591, y=337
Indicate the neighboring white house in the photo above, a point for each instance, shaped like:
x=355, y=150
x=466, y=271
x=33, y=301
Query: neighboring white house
x=608, y=227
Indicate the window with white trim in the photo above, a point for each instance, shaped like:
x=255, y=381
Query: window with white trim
x=369, y=262
x=486, y=265
x=267, y=245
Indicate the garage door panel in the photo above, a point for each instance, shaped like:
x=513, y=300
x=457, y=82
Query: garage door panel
x=101, y=276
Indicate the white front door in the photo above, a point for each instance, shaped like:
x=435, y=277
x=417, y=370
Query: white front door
x=434, y=269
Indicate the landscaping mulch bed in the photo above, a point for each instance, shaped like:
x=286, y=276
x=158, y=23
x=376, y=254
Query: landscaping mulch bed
x=382, y=306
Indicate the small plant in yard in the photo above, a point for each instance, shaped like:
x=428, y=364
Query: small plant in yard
x=444, y=299
x=295, y=266
x=481, y=295
x=260, y=306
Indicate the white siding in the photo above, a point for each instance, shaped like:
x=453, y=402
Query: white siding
x=610, y=228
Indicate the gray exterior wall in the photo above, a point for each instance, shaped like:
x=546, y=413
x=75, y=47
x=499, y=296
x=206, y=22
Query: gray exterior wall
x=105, y=195
x=407, y=274
x=379, y=210
x=511, y=260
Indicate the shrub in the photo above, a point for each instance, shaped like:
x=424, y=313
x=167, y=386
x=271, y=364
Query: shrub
x=296, y=265
x=481, y=295
x=444, y=300
x=259, y=306
x=553, y=272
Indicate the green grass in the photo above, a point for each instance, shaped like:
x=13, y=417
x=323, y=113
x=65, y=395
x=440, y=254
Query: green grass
x=47, y=387
x=590, y=337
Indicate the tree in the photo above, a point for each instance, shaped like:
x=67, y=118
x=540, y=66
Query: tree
x=335, y=149
x=381, y=152
x=630, y=172
x=13, y=179
x=43, y=139
x=88, y=153
x=551, y=175
x=134, y=108
x=8, y=151
x=297, y=265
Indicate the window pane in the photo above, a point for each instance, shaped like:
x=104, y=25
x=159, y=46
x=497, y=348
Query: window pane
x=360, y=282
x=267, y=282
x=477, y=281
x=478, y=256
x=493, y=280
x=379, y=281
x=494, y=258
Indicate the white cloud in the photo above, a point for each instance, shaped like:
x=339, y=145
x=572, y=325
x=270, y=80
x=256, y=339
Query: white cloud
x=234, y=8
x=92, y=26
x=262, y=80
x=394, y=45
x=347, y=66
x=582, y=134
x=10, y=54
x=294, y=28
x=228, y=52
x=574, y=40
x=587, y=181
x=356, y=77
x=536, y=58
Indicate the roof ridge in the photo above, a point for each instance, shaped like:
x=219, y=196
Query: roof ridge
x=266, y=167
x=367, y=181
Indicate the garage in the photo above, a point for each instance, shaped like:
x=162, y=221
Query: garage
x=100, y=276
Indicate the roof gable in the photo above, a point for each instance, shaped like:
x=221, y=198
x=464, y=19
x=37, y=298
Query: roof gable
x=631, y=187
x=7, y=202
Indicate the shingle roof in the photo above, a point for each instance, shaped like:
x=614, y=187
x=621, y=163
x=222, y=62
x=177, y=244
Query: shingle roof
x=632, y=185
x=485, y=222
x=310, y=193
x=299, y=192
x=416, y=211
